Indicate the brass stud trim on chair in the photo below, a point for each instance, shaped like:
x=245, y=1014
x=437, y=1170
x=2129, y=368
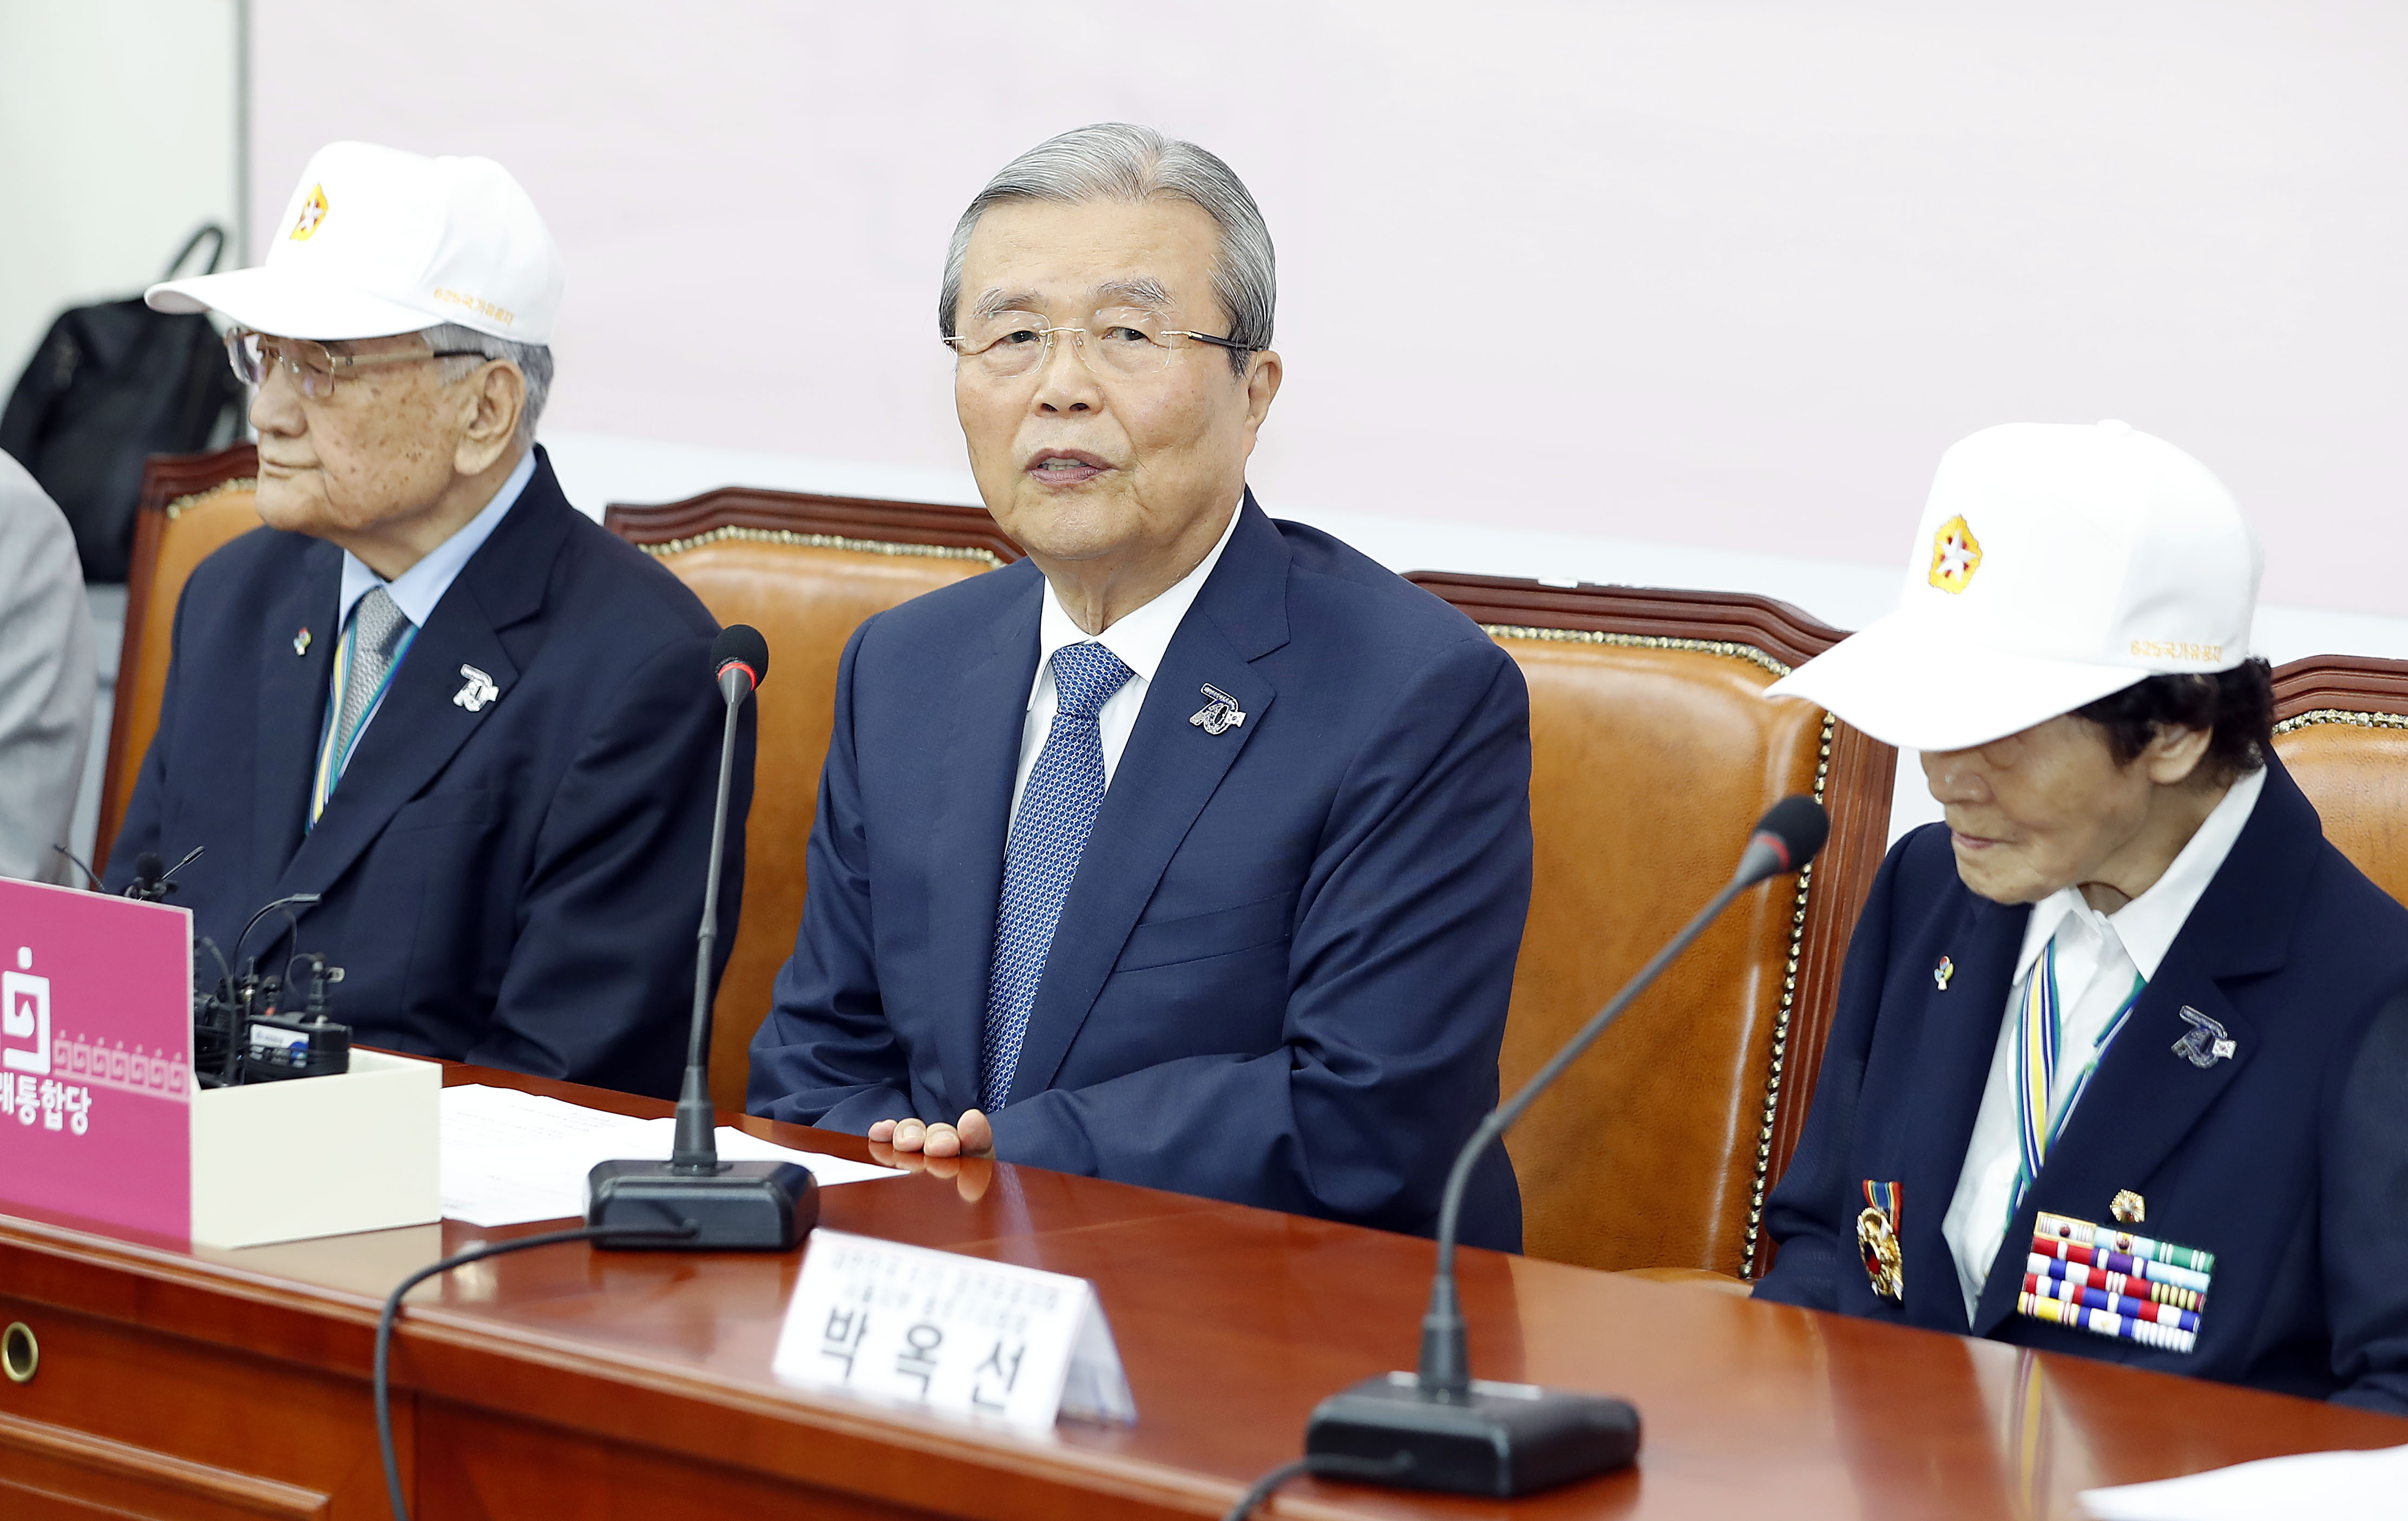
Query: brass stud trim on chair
x=1731, y=648
x=2341, y=715
x=818, y=541
x=20, y=1355
x=176, y=509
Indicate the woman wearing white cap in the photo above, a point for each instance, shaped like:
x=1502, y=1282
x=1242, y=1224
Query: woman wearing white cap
x=2120, y=1050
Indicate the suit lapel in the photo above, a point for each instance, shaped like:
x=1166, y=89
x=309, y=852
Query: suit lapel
x=986, y=716
x=1961, y=1037
x=1168, y=773
x=292, y=694
x=419, y=727
x=2145, y=1098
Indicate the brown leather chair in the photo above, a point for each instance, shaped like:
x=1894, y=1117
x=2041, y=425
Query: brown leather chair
x=190, y=505
x=2340, y=728
x=805, y=572
x=1652, y=753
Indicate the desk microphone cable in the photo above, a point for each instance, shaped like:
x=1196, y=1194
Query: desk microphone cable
x=1328, y=1465
x=393, y=1312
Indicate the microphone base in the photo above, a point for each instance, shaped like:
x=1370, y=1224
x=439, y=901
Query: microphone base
x=743, y=1206
x=1499, y=1439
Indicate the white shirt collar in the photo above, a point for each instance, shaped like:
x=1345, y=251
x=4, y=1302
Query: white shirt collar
x=1139, y=637
x=2147, y=925
x=418, y=588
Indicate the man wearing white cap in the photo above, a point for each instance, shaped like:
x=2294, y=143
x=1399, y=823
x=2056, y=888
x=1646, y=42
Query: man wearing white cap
x=2121, y=1052
x=433, y=693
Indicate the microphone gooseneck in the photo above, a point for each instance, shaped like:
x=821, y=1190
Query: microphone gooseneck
x=1785, y=840
x=741, y=659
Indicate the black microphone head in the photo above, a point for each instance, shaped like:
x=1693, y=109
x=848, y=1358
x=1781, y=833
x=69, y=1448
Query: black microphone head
x=147, y=867
x=744, y=644
x=1796, y=827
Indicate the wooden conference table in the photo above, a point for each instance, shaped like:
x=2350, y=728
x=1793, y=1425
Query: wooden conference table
x=570, y=1382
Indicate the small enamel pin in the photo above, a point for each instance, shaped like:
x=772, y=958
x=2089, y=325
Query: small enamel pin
x=2129, y=1208
x=1940, y=973
x=1220, y=715
x=2206, y=1043
x=301, y=642
x=479, y=691
x=1877, y=1231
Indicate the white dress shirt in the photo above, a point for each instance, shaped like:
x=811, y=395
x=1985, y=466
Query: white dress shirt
x=1138, y=637
x=2097, y=956
x=418, y=588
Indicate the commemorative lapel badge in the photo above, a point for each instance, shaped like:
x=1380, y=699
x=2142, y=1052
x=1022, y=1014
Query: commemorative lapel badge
x=1955, y=554
x=478, y=691
x=2109, y=1281
x=1940, y=973
x=1220, y=714
x=2206, y=1042
x=1877, y=1239
x=2129, y=1208
x=301, y=642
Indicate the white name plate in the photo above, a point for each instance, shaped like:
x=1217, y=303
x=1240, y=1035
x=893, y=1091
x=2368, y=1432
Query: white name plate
x=953, y=1333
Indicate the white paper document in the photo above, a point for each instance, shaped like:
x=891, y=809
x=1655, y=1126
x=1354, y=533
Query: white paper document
x=959, y=1334
x=2333, y=1486
x=510, y=1157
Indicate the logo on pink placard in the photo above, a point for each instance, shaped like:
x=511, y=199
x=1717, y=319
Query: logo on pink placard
x=96, y=1057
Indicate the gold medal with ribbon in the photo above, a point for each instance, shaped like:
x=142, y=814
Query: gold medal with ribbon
x=1877, y=1233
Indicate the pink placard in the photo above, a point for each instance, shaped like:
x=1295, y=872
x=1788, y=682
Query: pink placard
x=96, y=1057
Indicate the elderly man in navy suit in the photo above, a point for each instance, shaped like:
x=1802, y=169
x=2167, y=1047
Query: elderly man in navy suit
x=2122, y=1050
x=1193, y=850
x=480, y=728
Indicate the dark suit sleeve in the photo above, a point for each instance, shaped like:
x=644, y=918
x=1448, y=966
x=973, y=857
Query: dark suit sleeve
x=825, y=1056
x=600, y=983
x=2365, y=1217
x=1809, y=1213
x=1400, y=966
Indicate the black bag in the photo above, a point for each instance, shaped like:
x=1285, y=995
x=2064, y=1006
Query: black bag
x=111, y=385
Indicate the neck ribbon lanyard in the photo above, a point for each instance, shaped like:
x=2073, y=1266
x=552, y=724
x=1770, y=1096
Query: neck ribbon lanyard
x=2036, y=1035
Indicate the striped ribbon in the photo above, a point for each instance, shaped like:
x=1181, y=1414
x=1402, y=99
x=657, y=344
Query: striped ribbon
x=2038, y=1023
x=333, y=758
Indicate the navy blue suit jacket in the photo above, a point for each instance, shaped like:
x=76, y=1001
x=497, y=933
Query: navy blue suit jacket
x=2289, y=1160
x=1281, y=974
x=517, y=886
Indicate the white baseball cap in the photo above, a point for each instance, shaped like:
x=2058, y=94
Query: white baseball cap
x=377, y=242
x=2055, y=563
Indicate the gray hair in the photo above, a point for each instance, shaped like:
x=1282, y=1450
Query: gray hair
x=534, y=360
x=1113, y=161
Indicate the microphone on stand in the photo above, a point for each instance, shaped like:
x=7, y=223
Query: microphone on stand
x=1441, y=1430
x=694, y=1201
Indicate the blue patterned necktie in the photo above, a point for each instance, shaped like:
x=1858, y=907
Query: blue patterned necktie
x=1057, y=808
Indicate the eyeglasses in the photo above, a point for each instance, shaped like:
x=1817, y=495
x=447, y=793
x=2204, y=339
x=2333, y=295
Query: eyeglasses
x=313, y=366
x=1120, y=345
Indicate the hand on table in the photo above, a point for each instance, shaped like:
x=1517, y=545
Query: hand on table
x=972, y=1137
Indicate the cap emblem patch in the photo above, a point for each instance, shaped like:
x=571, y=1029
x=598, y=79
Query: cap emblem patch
x=1955, y=554
x=313, y=211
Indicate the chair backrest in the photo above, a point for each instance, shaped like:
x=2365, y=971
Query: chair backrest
x=1652, y=755
x=190, y=505
x=2341, y=726
x=806, y=571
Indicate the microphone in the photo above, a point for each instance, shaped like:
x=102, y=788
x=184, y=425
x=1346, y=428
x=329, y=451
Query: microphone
x=1441, y=1430
x=151, y=883
x=693, y=1201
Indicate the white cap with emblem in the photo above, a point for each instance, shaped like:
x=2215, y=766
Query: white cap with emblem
x=377, y=242
x=2055, y=563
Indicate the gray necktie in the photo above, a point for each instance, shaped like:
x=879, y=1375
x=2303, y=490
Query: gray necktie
x=379, y=637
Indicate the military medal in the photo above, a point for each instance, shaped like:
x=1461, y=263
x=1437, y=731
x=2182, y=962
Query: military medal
x=2129, y=1208
x=2113, y=1284
x=1877, y=1231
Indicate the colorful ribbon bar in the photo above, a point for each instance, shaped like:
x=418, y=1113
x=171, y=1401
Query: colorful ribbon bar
x=2114, y=1238
x=2095, y=1299
x=2081, y=1275
x=2107, y=1261
x=2107, y=1323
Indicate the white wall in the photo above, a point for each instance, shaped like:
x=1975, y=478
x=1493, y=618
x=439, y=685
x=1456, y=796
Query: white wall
x=1725, y=274
x=117, y=139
